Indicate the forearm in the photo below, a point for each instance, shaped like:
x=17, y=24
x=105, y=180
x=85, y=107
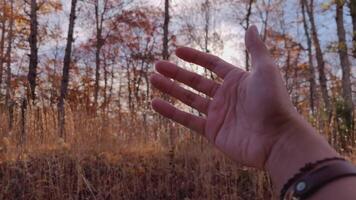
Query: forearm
x=301, y=144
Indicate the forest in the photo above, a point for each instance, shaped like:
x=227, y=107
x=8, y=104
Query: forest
x=75, y=98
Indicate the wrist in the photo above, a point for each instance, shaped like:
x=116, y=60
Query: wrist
x=297, y=145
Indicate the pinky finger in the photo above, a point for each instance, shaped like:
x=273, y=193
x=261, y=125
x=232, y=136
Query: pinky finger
x=186, y=119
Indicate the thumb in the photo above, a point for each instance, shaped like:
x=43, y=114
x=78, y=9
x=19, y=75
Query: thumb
x=255, y=46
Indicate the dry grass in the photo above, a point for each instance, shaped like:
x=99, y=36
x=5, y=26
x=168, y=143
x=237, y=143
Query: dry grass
x=147, y=173
x=117, y=157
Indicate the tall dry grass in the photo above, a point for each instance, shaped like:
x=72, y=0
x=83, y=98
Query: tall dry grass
x=116, y=156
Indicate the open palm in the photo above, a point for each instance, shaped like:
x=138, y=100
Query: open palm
x=245, y=114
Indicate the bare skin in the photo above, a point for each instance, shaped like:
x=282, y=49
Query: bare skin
x=249, y=116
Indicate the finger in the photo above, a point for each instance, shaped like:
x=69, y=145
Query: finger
x=256, y=47
x=209, y=61
x=191, y=79
x=186, y=119
x=191, y=99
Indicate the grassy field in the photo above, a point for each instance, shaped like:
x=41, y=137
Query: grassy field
x=117, y=158
x=136, y=172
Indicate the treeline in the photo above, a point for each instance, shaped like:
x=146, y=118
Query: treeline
x=99, y=62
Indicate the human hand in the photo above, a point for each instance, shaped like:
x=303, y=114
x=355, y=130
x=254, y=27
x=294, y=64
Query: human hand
x=245, y=115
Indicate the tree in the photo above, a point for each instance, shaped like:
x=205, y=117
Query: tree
x=198, y=26
x=265, y=17
x=2, y=40
x=99, y=20
x=207, y=14
x=65, y=74
x=206, y=8
x=312, y=84
x=243, y=11
x=352, y=6
x=345, y=67
x=247, y=24
x=8, y=101
x=165, y=53
x=104, y=12
x=32, y=71
x=319, y=58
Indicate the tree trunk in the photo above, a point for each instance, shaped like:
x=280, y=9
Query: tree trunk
x=97, y=69
x=99, y=45
x=2, y=42
x=8, y=101
x=206, y=7
x=319, y=59
x=352, y=6
x=129, y=89
x=247, y=20
x=312, y=85
x=105, y=68
x=165, y=54
x=112, y=77
x=207, y=12
x=265, y=22
x=32, y=72
x=23, y=134
x=65, y=75
x=345, y=67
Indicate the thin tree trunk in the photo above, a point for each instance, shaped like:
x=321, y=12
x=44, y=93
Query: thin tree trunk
x=23, y=135
x=105, y=66
x=345, y=67
x=8, y=100
x=319, y=59
x=247, y=25
x=207, y=24
x=148, y=92
x=312, y=85
x=129, y=88
x=352, y=6
x=2, y=42
x=206, y=9
x=265, y=22
x=32, y=72
x=165, y=54
x=97, y=67
x=65, y=75
x=247, y=20
x=99, y=44
x=112, y=77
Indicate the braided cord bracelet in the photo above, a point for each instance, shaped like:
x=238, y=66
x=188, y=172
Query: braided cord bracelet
x=307, y=167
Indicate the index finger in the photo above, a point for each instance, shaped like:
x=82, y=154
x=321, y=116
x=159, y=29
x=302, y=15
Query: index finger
x=206, y=60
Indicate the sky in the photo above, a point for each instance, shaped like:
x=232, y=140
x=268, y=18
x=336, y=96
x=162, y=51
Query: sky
x=223, y=23
x=81, y=34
